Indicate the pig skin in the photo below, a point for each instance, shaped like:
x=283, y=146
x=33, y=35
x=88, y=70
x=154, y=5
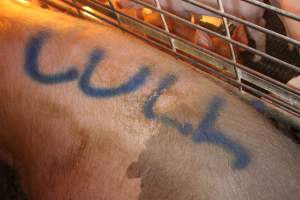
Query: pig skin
x=68, y=144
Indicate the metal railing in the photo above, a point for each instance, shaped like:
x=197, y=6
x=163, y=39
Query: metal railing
x=229, y=69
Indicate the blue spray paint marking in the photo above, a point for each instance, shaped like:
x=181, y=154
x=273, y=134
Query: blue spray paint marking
x=132, y=85
x=32, y=52
x=206, y=133
x=165, y=84
x=258, y=105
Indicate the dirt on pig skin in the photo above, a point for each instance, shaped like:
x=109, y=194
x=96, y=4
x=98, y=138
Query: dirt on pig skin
x=89, y=112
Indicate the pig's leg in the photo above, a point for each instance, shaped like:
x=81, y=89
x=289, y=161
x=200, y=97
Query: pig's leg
x=260, y=39
x=203, y=39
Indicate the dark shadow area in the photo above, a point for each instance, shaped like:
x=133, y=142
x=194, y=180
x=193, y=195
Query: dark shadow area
x=10, y=188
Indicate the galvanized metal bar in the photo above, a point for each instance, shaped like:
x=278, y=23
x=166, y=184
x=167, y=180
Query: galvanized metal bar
x=114, y=10
x=165, y=25
x=225, y=22
x=77, y=7
x=78, y=10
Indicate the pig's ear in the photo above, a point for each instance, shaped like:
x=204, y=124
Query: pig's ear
x=203, y=39
x=240, y=34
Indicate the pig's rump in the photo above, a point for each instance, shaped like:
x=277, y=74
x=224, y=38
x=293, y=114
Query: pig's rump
x=89, y=112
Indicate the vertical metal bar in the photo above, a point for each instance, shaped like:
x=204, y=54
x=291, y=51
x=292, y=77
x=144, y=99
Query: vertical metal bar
x=165, y=25
x=114, y=11
x=77, y=9
x=225, y=22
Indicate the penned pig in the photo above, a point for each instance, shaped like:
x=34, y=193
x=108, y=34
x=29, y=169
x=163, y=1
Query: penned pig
x=199, y=37
x=89, y=112
x=292, y=28
x=237, y=8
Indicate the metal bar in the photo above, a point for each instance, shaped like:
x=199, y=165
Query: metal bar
x=52, y=2
x=165, y=25
x=225, y=22
x=114, y=10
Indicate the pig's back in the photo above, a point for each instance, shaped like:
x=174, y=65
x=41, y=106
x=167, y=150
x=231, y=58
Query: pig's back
x=178, y=134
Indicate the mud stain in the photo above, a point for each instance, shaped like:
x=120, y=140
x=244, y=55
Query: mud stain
x=176, y=166
x=70, y=158
x=167, y=170
x=65, y=142
x=52, y=110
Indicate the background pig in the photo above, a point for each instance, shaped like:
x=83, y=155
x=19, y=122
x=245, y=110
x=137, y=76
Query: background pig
x=295, y=82
x=191, y=34
x=292, y=27
x=237, y=8
x=88, y=112
x=199, y=37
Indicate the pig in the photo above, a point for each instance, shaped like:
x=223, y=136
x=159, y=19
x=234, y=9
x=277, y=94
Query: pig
x=237, y=8
x=89, y=112
x=292, y=28
x=294, y=83
x=196, y=36
x=191, y=34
